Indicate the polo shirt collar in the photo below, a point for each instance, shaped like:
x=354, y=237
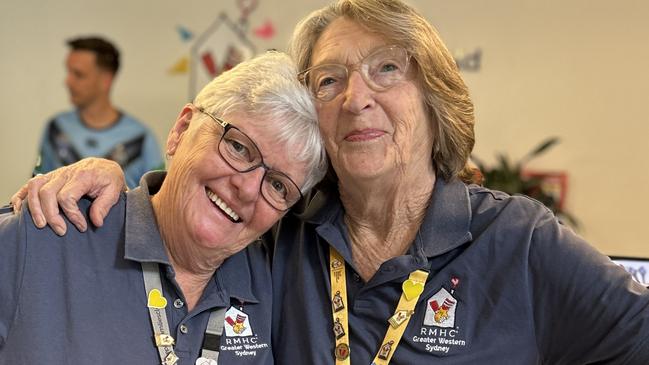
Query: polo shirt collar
x=143, y=242
x=448, y=218
x=446, y=223
x=234, y=275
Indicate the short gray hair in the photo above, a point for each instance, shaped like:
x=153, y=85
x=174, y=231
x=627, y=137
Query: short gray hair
x=445, y=93
x=266, y=87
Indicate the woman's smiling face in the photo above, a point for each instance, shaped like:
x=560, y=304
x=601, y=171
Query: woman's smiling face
x=370, y=134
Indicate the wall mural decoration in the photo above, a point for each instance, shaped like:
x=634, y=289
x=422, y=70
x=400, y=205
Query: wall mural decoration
x=220, y=47
x=468, y=61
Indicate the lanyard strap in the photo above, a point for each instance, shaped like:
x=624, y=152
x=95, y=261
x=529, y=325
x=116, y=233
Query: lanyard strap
x=412, y=289
x=156, y=303
x=339, y=306
x=212, y=339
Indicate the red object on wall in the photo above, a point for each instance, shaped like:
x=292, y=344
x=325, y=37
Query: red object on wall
x=554, y=183
x=210, y=65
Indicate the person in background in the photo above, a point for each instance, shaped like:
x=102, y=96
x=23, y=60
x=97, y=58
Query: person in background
x=177, y=275
x=95, y=127
x=396, y=258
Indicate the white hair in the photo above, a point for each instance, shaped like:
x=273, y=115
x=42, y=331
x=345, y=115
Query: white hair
x=266, y=88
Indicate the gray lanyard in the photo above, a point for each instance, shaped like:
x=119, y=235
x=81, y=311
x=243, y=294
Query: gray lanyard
x=163, y=339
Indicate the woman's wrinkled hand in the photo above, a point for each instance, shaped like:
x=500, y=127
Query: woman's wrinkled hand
x=97, y=178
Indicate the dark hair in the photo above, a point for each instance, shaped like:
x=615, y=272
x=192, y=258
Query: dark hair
x=107, y=54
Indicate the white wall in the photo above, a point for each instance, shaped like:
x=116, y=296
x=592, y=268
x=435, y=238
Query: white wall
x=575, y=69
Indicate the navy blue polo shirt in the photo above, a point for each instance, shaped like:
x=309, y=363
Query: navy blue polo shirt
x=80, y=299
x=508, y=284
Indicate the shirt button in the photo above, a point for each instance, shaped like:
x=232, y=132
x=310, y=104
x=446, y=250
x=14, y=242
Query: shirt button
x=178, y=303
x=357, y=278
x=183, y=329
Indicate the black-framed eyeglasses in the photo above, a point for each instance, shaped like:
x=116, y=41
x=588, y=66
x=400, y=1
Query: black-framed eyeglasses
x=243, y=155
x=381, y=70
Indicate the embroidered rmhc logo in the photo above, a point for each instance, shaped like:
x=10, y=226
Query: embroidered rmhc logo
x=440, y=310
x=237, y=323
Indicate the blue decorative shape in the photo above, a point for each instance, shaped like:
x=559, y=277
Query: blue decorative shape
x=185, y=34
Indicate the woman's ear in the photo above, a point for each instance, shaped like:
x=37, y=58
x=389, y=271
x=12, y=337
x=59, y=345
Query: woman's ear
x=179, y=128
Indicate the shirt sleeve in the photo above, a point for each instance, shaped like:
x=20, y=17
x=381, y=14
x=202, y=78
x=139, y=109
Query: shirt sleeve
x=12, y=264
x=46, y=154
x=149, y=159
x=587, y=309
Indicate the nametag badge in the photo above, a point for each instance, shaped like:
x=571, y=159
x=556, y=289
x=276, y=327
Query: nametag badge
x=205, y=361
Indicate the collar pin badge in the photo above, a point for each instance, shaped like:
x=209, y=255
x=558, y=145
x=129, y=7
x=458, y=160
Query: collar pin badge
x=205, y=361
x=342, y=351
x=412, y=289
x=171, y=359
x=399, y=317
x=163, y=340
x=156, y=300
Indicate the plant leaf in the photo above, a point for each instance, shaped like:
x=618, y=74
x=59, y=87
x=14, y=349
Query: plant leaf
x=539, y=149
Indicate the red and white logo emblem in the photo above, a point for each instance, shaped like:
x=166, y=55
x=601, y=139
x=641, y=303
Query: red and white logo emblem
x=440, y=310
x=237, y=323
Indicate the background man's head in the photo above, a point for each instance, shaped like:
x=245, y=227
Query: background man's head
x=91, y=66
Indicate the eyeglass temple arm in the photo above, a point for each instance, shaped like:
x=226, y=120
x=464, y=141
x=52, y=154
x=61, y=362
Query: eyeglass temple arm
x=222, y=122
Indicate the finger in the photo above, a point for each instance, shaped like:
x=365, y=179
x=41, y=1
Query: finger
x=68, y=198
x=33, y=187
x=50, y=206
x=17, y=198
x=108, y=197
x=107, y=184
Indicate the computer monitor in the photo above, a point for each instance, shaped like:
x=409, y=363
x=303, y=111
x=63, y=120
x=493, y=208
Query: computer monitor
x=638, y=267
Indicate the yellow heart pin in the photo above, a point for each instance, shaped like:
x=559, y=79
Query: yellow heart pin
x=156, y=300
x=412, y=289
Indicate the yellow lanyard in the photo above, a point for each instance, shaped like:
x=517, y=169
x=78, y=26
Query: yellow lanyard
x=412, y=289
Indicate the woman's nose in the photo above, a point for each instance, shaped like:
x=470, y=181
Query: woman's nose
x=248, y=184
x=358, y=94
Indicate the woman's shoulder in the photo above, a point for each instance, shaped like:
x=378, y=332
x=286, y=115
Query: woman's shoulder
x=492, y=206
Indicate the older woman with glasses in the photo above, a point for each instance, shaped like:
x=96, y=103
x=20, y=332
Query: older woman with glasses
x=172, y=277
x=396, y=258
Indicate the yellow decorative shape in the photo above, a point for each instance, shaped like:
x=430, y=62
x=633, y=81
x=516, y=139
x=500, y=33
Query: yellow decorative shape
x=412, y=289
x=180, y=67
x=156, y=300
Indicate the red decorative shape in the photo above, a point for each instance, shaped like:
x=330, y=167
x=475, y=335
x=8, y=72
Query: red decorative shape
x=448, y=303
x=209, y=64
x=230, y=321
x=455, y=281
x=266, y=31
x=434, y=305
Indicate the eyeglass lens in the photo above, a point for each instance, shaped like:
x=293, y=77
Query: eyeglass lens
x=241, y=153
x=380, y=70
